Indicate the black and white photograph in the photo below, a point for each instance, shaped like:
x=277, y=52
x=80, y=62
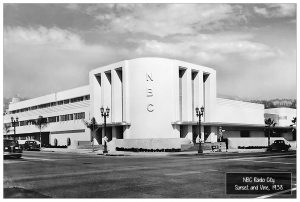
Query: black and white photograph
x=140, y=100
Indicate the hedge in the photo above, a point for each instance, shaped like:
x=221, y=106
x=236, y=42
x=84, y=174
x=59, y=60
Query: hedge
x=146, y=150
x=252, y=147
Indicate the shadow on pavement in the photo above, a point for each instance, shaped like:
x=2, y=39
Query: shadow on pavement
x=16, y=192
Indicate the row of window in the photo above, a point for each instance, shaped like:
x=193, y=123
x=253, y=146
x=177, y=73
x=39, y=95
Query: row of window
x=66, y=117
x=52, y=104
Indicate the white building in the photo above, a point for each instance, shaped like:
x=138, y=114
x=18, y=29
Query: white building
x=152, y=102
x=282, y=116
x=64, y=112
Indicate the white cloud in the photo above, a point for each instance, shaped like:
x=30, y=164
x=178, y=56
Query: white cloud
x=166, y=19
x=261, y=11
x=57, y=37
x=51, y=58
x=209, y=47
x=276, y=10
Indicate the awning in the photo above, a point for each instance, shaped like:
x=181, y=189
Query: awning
x=114, y=124
x=241, y=125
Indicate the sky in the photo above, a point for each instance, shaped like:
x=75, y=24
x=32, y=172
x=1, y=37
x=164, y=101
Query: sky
x=52, y=47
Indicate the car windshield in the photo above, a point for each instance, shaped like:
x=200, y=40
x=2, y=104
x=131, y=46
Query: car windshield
x=10, y=143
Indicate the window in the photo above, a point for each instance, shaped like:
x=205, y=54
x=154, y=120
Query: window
x=79, y=115
x=52, y=119
x=64, y=117
x=87, y=97
x=77, y=99
x=66, y=101
x=53, y=104
x=245, y=133
x=33, y=108
x=60, y=102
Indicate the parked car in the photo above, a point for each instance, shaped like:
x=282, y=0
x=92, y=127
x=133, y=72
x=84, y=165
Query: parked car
x=21, y=143
x=11, y=149
x=279, y=145
x=31, y=145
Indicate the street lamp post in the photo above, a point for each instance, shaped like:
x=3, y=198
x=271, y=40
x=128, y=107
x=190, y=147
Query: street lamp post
x=14, y=123
x=199, y=114
x=104, y=115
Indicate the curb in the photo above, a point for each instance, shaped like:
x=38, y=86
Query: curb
x=149, y=154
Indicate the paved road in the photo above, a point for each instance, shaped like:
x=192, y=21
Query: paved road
x=71, y=175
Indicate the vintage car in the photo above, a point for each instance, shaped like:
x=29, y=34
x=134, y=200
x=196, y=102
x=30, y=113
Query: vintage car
x=11, y=149
x=31, y=145
x=279, y=145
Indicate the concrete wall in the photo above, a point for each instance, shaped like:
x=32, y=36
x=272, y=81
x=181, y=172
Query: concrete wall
x=62, y=138
x=231, y=111
x=151, y=98
x=233, y=143
x=151, y=143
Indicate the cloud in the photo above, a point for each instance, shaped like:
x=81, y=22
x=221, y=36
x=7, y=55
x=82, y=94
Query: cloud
x=56, y=56
x=44, y=60
x=164, y=19
x=276, y=10
x=43, y=36
x=210, y=48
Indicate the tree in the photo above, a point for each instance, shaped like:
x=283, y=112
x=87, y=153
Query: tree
x=6, y=128
x=294, y=120
x=40, y=123
x=269, y=123
x=92, y=125
x=293, y=126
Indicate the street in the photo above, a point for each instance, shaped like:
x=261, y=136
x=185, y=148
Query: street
x=74, y=175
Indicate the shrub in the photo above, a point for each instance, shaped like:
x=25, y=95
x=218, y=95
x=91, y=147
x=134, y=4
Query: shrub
x=252, y=147
x=132, y=149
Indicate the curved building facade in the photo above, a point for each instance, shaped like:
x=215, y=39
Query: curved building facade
x=152, y=104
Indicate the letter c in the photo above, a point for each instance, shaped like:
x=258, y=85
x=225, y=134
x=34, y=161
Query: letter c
x=150, y=108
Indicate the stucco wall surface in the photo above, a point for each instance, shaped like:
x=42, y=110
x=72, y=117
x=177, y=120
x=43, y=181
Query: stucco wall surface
x=232, y=111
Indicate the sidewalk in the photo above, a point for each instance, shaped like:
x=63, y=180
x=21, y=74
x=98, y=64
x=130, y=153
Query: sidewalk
x=67, y=150
x=127, y=153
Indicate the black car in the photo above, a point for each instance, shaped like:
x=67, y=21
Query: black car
x=279, y=145
x=31, y=145
x=11, y=149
